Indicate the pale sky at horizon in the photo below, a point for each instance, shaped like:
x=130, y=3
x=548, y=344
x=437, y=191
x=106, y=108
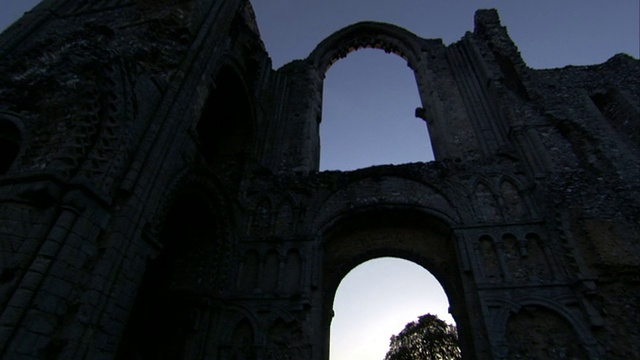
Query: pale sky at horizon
x=369, y=102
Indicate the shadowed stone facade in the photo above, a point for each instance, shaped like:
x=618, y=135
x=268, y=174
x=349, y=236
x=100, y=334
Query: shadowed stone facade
x=160, y=194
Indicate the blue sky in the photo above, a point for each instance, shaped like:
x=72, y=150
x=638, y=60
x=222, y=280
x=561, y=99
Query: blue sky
x=369, y=101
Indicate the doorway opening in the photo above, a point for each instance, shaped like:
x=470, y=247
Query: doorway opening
x=376, y=300
x=369, y=102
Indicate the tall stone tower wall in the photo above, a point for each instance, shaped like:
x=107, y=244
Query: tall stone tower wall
x=160, y=194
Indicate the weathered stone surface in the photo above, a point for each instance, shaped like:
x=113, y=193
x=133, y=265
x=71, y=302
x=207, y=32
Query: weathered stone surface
x=160, y=194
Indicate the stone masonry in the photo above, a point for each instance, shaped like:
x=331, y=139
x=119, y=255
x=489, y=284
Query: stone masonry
x=160, y=195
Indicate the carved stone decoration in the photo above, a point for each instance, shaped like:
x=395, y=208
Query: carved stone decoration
x=538, y=333
x=526, y=259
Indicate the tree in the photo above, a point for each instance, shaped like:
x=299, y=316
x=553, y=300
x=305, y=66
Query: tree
x=428, y=338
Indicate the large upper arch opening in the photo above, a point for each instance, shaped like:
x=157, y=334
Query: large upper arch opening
x=368, y=113
x=368, y=34
x=388, y=113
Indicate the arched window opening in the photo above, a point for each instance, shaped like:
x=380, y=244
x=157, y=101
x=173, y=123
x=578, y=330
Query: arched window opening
x=368, y=115
x=376, y=300
x=10, y=140
x=225, y=127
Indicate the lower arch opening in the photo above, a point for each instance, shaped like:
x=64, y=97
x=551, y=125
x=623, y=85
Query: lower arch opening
x=375, y=300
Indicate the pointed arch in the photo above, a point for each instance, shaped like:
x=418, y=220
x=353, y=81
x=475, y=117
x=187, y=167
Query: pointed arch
x=226, y=125
x=367, y=34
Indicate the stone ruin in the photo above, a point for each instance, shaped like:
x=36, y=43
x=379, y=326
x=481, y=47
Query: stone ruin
x=160, y=193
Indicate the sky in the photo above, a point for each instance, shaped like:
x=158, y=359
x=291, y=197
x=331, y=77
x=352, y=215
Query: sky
x=368, y=114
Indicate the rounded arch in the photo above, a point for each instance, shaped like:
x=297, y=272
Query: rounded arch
x=408, y=234
x=368, y=34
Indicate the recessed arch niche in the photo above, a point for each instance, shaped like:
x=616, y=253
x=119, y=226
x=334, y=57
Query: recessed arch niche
x=407, y=234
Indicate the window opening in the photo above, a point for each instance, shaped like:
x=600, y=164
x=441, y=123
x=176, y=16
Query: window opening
x=224, y=129
x=368, y=115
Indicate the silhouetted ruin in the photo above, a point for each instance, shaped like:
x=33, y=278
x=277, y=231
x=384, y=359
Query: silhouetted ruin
x=160, y=193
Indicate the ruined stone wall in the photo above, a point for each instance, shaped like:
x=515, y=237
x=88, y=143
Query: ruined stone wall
x=161, y=181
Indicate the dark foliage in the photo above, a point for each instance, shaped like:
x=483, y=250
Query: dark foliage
x=428, y=338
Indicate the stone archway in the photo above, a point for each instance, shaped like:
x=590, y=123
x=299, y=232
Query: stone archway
x=368, y=34
x=404, y=233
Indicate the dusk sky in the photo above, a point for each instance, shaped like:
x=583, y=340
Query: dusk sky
x=369, y=102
